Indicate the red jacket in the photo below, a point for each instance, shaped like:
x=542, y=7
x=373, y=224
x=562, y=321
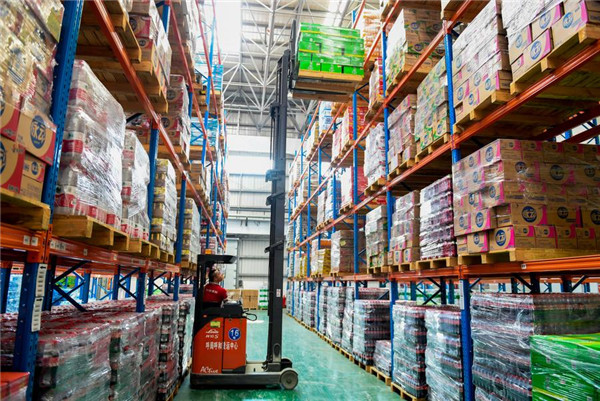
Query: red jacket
x=214, y=293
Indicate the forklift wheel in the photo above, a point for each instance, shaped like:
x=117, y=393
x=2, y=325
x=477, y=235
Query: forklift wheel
x=288, y=379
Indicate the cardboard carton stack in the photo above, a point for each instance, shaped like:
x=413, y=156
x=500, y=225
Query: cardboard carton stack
x=443, y=356
x=376, y=95
x=376, y=227
x=431, y=118
x=333, y=200
x=502, y=327
x=369, y=23
x=410, y=342
x=189, y=31
x=149, y=354
x=437, y=227
x=342, y=251
x=325, y=115
x=348, y=320
x=29, y=32
x=191, y=247
x=404, y=242
x=412, y=32
x=374, y=165
x=149, y=30
x=536, y=28
x=321, y=204
x=481, y=64
x=565, y=367
x=336, y=303
x=344, y=136
x=401, y=122
x=168, y=354
x=164, y=212
x=136, y=176
x=250, y=299
x=346, y=179
x=177, y=122
x=371, y=323
x=90, y=178
x=514, y=194
x=330, y=50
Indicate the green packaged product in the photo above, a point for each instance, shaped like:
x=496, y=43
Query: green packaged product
x=328, y=67
x=302, y=56
x=310, y=47
x=566, y=367
x=354, y=71
x=310, y=65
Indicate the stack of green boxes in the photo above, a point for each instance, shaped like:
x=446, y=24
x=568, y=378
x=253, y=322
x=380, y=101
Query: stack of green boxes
x=263, y=298
x=330, y=49
x=566, y=367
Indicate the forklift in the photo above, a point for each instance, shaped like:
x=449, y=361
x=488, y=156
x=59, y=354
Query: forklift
x=219, y=344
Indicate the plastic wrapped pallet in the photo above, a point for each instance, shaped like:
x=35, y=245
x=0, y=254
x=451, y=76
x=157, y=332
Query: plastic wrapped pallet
x=348, y=320
x=481, y=65
x=404, y=241
x=502, y=325
x=149, y=355
x=382, y=358
x=332, y=200
x=189, y=31
x=322, y=321
x=309, y=301
x=443, y=356
x=401, y=145
x=346, y=179
x=347, y=127
x=410, y=342
x=376, y=86
x=191, y=247
x=342, y=251
x=168, y=355
x=566, y=367
x=369, y=24
x=374, y=164
x=371, y=322
x=177, y=121
x=336, y=302
x=321, y=204
x=376, y=237
x=432, y=121
x=136, y=176
x=437, y=224
x=410, y=35
x=90, y=176
x=185, y=331
x=164, y=215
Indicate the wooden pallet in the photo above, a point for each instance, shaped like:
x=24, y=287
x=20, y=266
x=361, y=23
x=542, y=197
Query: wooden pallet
x=373, y=108
x=361, y=364
x=381, y=376
x=404, y=267
x=445, y=138
x=167, y=257
x=374, y=270
x=437, y=263
x=91, y=231
x=520, y=255
x=24, y=212
x=186, y=264
x=346, y=354
x=329, y=76
x=374, y=187
x=402, y=167
x=452, y=6
x=340, y=275
x=143, y=248
x=587, y=36
x=396, y=388
x=495, y=99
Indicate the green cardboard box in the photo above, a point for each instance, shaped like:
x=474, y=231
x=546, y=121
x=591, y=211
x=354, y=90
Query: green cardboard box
x=310, y=65
x=302, y=56
x=328, y=67
x=354, y=71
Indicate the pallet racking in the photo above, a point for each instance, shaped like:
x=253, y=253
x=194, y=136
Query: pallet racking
x=570, y=272
x=47, y=256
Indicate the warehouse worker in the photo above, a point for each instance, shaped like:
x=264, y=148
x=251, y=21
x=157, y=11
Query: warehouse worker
x=214, y=294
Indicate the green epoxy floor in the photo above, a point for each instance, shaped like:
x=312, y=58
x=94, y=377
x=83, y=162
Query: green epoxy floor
x=324, y=374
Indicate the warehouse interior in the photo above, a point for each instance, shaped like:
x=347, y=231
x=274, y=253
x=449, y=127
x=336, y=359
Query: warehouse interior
x=300, y=200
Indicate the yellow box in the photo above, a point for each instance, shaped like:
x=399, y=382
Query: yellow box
x=483, y=220
x=545, y=237
x=566, y=238
x=521, y=214
x=478, y=242
x=586, y=238
x=37, y=134
x=562, y=215
x=591, y=217
x=12, y=159
x=511, y=237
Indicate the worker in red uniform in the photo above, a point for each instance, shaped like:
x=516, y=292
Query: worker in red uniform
x=214, y=294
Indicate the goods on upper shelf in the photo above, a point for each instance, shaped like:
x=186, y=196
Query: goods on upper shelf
x=517, y=194
x=90, y=178
x=29, y=33
x=336, y=303
x=342, y=251
x=376, y=237
x=347, y=181
x=502, y=325
x=437, y=222
x=191, y=247
x=374, y=165
x=136, y=176
x=565, y=367
x=189, y=30
x=376, y=95
x=410, y=342
x=177, y=122
x=330, y=49
x=407, y=38
x=404, y=241
x=369, y=23
x=382, y=358
x=343, y=137
x=431, y=118
x=164, y=212
x=371, y=322
x=402, y=142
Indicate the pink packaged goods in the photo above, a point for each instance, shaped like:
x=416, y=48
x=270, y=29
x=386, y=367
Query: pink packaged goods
x=437, y=220
x=136, y=167
x=90, y=175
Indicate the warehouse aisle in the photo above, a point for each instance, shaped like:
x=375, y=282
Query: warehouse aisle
x=324, y=373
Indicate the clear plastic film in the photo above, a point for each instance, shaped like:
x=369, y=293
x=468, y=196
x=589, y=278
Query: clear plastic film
x=371, y=322
x=404, y=241
x=527, y=194
x=502, y=325
x=382, y=358
x=376, y=85
x=164, y=216
x=431, y=117
x=376, y=231
x=369, y=23
x=336, y=303
x=410, y=343
x=517, y=15
x=134, y=193
x=374, y=164
x=177, y=122
x=321, y=204
x=566, y=367
x=348, y=319
x=308, y=302
x=347, y=126
x=410, y=35
x=437, y=226
x=342, y=251
x=443, y=355
x=325, y=115
x=401, y=122
x=346, y=182
x=90, y=175
x=323, y=311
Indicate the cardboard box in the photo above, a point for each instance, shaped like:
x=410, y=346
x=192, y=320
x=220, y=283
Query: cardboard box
x=553, y=152
x=32, y=183
x=532, y=150
x=499, y=193
x=586, y=238
x=591, y=217
x=546, y=20
x=37, y=134
x=587, y=174
x=566, y=238
x=519, y=43
x=9, y=112
x=537, y=50
x=478, y=242
x=461, y=245
x=563, y=215
x=521, y=214
x=557, y=173
x=572, y=22
x=545, y=237
x=462, y=224
x=12, y=156
x=483, y=220
x=411, y=254
x=501, y=149
x=518, y=236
